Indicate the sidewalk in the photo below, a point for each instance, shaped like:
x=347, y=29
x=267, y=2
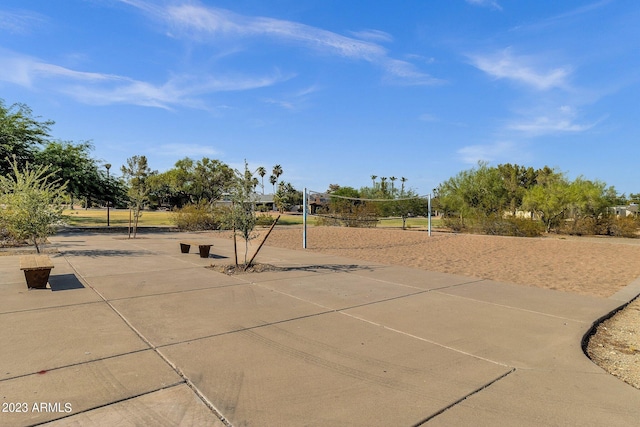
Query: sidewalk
x=133, y=333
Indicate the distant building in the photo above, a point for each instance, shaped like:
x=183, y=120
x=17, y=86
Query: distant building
x=317, y=202
x=625, y=211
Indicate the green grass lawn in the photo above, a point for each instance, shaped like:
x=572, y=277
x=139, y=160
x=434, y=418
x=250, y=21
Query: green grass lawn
x=117, y=217
x=120, y=217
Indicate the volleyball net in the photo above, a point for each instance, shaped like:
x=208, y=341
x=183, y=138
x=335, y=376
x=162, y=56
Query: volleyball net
x=337, y=210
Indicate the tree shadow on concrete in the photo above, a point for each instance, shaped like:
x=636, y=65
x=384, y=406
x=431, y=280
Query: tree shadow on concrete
x=96, y=253
x=324, y=268
x=232, y=269
x=64, y=282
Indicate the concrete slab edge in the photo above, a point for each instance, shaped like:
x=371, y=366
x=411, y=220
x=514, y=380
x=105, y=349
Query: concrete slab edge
x=625, y=296
x=463, y=398
x=628, y=293
x=155, y=349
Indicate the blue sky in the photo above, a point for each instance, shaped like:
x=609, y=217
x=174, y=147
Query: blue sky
x=336, y=91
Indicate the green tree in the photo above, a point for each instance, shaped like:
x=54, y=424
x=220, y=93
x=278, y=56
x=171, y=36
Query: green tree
x=477, y=194
x=211, y=179
x=409, y=205
x=136, y=172
x=262, y=172
x=590, y=199
x=72, y=163
x=287, y=196
x=550, y=200
x=634, y=198
x=516, y=180
x=172, y=187
x=383, y=185
x=21, y=134
x=393, y=184
x=30, y=202
x=277, y=172
x=273, y=180
x=403, y=180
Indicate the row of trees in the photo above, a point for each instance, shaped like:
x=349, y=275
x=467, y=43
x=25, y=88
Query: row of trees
x=38, y=174
x=495, y=199
x=26, y=140
x=489, y=199
x=191, y=182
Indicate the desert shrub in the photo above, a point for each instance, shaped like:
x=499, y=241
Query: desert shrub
x=580, y=227
x=326, y=220
x=606, y=225
x=522, y=227
x=508, y=226
x=201, y=216
x=625, y=227
x=453, y=223
x=264, y=220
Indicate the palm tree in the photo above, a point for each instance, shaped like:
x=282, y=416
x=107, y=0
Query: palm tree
x=402, y=180
x=273, y=180
x=262, y=172
x=393, y=180
x=383, y=184
x=373, y=180
x=277, y=171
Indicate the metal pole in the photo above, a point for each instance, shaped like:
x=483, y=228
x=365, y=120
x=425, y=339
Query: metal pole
x=108, y=166
x=429, y=207
x=304, y=219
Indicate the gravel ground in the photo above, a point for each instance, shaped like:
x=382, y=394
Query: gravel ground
x=616, y=344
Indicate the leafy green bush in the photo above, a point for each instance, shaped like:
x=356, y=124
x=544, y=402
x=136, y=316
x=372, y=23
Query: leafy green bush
x=264, y=220
x=201, y=216
x=31, y=203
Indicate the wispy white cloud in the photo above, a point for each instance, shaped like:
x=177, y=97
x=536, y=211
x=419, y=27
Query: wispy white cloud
x=212, y=25
x=560, y=120
x=523, y=69
x=486, y=3
x=104, y=89
x=20, y=21
x=294, y=101
x=562, y=18
x=500, y=151
x=427, y=117
x=373, y=35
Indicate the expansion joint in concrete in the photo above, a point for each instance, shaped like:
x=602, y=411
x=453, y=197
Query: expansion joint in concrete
x=463, y=398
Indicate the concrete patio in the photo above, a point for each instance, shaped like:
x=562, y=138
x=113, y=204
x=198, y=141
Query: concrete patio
x=133, y=333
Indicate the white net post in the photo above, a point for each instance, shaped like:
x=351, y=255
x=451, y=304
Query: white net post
x=429, y=213
x=305, y=205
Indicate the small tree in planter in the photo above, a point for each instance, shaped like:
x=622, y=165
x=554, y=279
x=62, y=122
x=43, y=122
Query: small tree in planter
x=136, y=172
x=31, y=203
x=243, y=216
